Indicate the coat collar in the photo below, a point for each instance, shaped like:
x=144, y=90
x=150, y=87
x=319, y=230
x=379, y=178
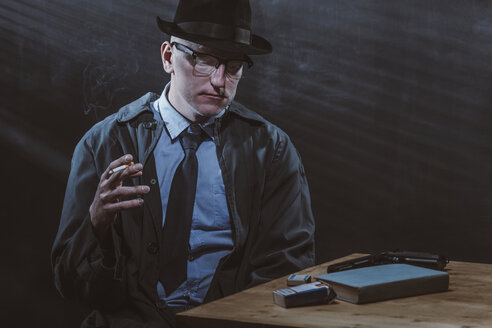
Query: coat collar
x=244, y=112
x=135, y=108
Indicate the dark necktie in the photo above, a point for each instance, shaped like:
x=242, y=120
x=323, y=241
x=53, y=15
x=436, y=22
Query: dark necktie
x=176, y=232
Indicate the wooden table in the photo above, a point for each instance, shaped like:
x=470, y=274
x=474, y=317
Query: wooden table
x=467, y=304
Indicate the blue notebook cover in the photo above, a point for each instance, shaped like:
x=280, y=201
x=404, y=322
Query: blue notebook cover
x=387, y=281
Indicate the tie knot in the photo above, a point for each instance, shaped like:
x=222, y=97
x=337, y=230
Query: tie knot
x=192, y=137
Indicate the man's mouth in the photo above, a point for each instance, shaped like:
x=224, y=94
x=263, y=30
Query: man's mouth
x=213, y=95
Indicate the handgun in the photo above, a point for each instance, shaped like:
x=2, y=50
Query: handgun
x=422, y=259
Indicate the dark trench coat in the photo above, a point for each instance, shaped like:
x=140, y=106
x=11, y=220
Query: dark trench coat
x=268, y=201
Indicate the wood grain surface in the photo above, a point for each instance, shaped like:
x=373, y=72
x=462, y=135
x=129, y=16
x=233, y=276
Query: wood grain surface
x=468, y=303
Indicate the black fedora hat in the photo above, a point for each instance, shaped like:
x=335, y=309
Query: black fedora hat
x=220, y=24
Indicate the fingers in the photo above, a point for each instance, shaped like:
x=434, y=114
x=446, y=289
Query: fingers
x=113, y=195
x=102, y=214
x=118, y=170
x=123, y=160
x=124, y=205
x=132, y=171
x=139, y=173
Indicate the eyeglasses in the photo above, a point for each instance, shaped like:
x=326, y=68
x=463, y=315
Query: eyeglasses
x=205, y=64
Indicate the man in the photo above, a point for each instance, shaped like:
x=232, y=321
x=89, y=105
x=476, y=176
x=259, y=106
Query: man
x=216, y=202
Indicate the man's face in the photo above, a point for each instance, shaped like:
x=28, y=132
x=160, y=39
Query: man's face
x=195, y=96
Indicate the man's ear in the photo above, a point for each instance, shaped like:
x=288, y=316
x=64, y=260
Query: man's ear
x=166, y=52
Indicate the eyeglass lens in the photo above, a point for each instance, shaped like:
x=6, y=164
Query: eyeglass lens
x=207, y=64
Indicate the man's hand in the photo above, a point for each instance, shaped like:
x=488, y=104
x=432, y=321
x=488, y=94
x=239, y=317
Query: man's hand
x=110, y=190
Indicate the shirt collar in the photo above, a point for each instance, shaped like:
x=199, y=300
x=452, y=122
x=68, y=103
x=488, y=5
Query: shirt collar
x=176, y=123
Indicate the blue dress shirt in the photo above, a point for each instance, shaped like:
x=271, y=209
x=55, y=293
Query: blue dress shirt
x=211, y=234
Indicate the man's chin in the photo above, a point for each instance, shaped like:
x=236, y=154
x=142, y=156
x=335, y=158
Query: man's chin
x=210, y=110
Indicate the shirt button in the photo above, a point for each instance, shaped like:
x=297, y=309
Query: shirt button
x=152, y=248
x=190, y=257
x=153, y=181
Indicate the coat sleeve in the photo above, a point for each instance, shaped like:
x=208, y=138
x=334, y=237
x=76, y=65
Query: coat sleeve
x=84, y=269
x=284, y=240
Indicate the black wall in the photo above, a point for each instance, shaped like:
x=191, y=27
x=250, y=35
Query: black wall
x=388, y=102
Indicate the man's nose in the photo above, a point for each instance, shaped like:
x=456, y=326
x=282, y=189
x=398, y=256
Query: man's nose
x=218, y=76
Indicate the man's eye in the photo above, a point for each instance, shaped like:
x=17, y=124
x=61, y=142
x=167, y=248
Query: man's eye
x=206, y=60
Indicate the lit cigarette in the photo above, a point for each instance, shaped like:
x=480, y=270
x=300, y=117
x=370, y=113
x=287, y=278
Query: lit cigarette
x=120, y=168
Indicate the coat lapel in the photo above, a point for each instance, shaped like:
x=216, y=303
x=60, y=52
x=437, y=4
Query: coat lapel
x=148, y=134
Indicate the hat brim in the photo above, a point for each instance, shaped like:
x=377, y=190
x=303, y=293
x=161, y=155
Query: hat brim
x=259, y=46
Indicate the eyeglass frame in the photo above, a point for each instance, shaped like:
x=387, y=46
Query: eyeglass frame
x=220, y=60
